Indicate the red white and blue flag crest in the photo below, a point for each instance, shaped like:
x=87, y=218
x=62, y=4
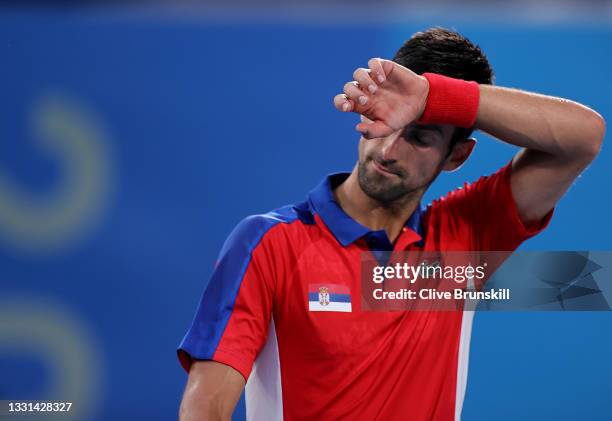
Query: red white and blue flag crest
x=329, y=297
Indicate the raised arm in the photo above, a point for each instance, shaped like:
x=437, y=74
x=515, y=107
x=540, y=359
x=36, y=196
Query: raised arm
x=212, y=391
x=559, y=138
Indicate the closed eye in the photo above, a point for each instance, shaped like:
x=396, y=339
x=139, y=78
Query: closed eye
x=420, y=137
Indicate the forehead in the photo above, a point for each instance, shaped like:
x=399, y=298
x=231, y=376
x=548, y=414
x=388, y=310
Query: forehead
x=441, y=129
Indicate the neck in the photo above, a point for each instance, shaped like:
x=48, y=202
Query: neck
x=371, y=213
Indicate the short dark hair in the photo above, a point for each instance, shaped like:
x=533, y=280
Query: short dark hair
x=446, y=52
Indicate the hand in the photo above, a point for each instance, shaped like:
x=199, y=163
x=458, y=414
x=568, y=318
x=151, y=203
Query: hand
x=388, y=94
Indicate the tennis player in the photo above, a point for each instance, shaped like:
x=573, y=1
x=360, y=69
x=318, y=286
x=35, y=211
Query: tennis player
x=282, y=310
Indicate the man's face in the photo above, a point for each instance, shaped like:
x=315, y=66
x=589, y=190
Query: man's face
x=404, y=163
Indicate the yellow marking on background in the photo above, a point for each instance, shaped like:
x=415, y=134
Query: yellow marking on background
x=65, y=345
x=47, y=223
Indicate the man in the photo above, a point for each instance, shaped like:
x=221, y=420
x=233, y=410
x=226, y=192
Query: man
x=301, y=359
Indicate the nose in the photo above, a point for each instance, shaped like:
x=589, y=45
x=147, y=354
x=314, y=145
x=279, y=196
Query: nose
x=390, y=147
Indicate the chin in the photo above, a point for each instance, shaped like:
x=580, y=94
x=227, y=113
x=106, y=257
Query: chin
x=383, y=191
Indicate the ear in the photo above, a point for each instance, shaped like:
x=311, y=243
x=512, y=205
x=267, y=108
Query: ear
x=460, y=153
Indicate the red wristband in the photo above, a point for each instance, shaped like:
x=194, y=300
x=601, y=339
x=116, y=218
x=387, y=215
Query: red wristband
x=450, y=101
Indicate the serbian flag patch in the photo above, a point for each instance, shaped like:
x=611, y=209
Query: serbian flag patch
x=329, y=297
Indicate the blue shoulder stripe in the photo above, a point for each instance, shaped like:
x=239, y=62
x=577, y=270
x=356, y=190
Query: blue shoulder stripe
x=218, y=300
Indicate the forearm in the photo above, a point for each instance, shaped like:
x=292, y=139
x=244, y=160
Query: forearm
x=198, y=409
x=211, y=394
x=559, y=127
x=199, y=406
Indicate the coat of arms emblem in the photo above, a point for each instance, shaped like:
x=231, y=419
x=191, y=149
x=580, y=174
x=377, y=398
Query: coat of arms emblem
x=323, y=296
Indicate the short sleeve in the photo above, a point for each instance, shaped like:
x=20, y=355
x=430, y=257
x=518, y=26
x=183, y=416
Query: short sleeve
x=232, y=320
x=489, y=208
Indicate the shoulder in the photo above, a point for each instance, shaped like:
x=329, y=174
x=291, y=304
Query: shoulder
x=473, y=195
x=266, y=227
x=456, y=205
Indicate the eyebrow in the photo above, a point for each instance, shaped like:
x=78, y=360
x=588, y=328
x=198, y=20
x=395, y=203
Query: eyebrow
x=428, y=127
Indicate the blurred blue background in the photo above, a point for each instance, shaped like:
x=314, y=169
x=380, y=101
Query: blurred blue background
x=132, y=142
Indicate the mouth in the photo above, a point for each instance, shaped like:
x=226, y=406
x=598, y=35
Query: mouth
x=382, y=169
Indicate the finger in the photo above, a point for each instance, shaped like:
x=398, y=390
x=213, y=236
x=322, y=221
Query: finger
x=342, y=103
x=377, y=69
x=353, y=92
x=363, y=78
x=364, y=119
x=374, y=129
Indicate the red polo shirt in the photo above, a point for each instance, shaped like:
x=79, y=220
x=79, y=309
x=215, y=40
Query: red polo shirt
x=302, y=363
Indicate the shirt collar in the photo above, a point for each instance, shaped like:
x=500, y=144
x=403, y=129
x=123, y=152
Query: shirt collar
x=346, y=229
